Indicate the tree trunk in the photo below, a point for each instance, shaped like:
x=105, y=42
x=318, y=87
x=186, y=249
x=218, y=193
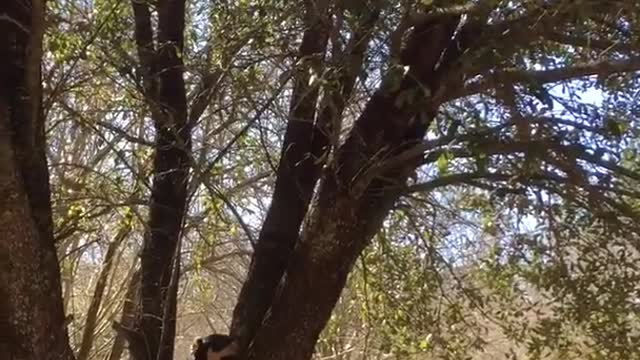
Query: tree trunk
x=297, y=175
x=153, y=335
x=32, y=321
x=353, y=200
x=305, y=149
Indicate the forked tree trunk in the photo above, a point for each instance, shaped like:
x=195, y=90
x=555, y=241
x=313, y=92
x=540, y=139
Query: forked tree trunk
x=355, y=196
x=297, y=175
x=305, y=149
x=32, y=322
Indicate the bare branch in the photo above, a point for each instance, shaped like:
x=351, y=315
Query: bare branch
x=125, y=135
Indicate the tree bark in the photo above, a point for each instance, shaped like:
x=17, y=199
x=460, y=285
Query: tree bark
x=162, y=67
x=353, y=201
x=32, y=321
x=306, y=147
x=295, y=179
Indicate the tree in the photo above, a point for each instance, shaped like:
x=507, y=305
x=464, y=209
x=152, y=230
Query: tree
x=446, y=59
x=164, y=91
x=390, y=108
x=31, y=315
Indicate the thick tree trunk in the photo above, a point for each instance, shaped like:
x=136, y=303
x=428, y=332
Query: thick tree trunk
x=353, y=200
x=153, y=335
x=297, y=175
x=32, y=321
x=305, y=149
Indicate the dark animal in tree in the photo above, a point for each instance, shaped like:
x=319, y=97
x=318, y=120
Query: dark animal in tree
x=215, y=347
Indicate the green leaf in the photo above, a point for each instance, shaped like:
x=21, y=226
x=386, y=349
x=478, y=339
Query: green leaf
x=425, y=343
x=443, y=162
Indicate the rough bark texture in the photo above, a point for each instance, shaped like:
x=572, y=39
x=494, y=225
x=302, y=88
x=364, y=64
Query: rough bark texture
x=32, y=321
x=153, y=335
x=353, y=201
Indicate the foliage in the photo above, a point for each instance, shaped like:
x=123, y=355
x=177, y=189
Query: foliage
x=516, y=235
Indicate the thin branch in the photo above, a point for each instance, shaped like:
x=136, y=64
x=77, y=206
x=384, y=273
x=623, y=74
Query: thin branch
x=435, y=13
x=589, y=43
x=124, y=134
x=211, y=260
x=222, y=153
x=601, y=68
x=460, y=178
x=210, y=84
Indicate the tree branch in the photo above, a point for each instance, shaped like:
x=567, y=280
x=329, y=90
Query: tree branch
x=143, y=35
x=210, y=84
x=600, y=68
x=460, y=178
x=583, y=42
